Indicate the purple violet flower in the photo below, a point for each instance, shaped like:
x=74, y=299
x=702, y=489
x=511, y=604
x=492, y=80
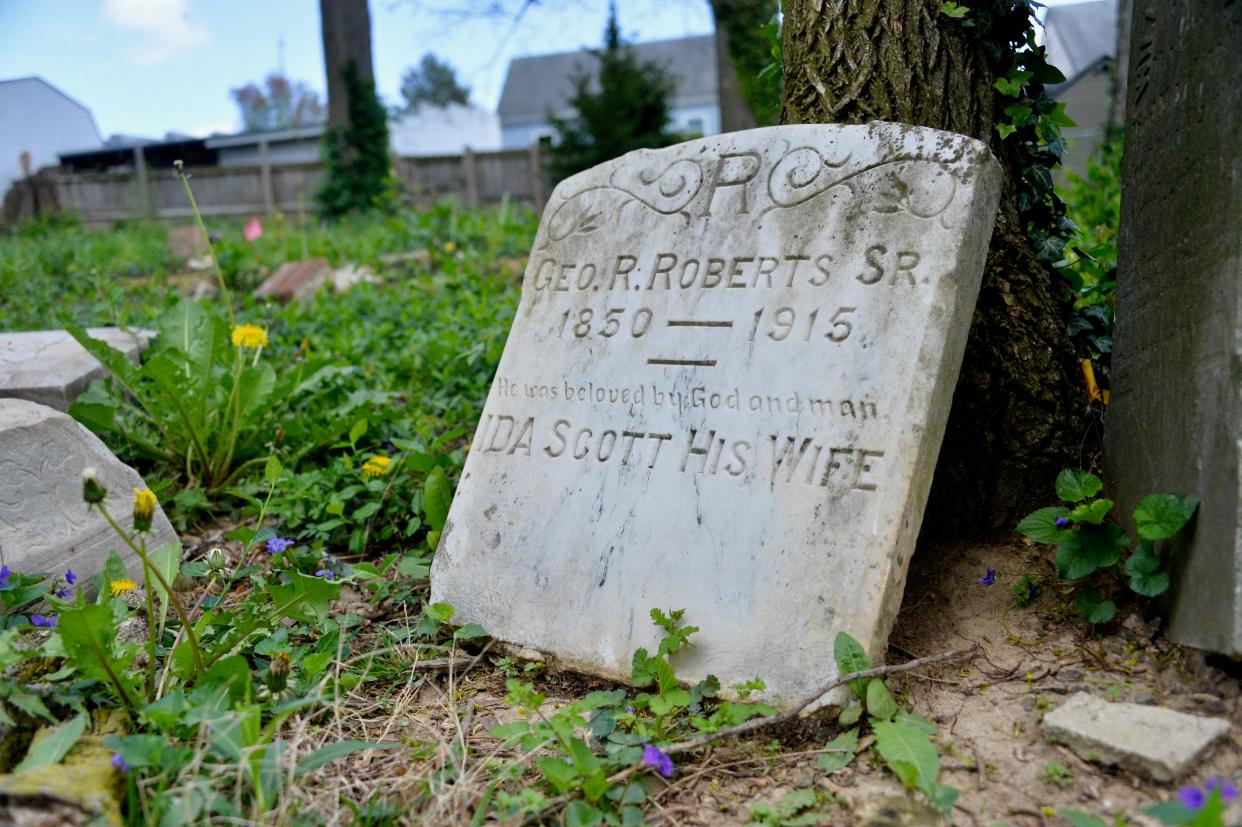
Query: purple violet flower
x=119, y=763
x=70, y=577
x=64, y=594
x=1192, y=798
x=5, y=574
x=326, y=574
x=989, y=578
x=660, y=761
x=276, y=545
x=1062, y=522
x=1228, y=790
x=43, y=621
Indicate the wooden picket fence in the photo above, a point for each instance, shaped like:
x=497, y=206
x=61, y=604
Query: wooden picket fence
x=473, y=178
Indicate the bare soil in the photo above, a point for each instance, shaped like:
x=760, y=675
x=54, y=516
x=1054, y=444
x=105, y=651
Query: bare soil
x=988, y=709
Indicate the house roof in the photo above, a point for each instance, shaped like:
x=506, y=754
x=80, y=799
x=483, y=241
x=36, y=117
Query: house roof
x=294, y=133
x=1079, y=34
x=538, y=83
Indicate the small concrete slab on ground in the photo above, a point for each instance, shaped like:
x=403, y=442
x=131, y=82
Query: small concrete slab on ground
x=295, y=280
x=50, y=367
x=1153, y=742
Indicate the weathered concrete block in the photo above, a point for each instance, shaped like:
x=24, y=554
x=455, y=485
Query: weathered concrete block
x=1175, y=422
x=44, y=524
x=724, y=391
x=51, y=368
x=1157, y=743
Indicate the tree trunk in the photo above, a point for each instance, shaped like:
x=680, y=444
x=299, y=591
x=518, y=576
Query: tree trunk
x=742, y=52
x=735, y=112
x=346, y=28
x=1014, y=424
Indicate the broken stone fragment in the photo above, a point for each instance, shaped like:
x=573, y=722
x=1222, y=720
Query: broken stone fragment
x=295, y=280
x=1153, y=742
x=44, y=524
x=51, y=368
x=83, y=789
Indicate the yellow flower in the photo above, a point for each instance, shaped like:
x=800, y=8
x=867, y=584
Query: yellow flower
x=121, y=586
x=450, y=247
x=376, y=466
x=249, y=335
x=144, y=509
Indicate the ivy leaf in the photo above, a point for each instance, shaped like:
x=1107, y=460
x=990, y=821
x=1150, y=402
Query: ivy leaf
x=1074, y=485
x=909, y=753
x=1160, y=516
x=1092, y=607
x=437, y=497
x=843, y=748
x=1089, y=549
x=953, y=10
x=1041, y=525
x=1006, y=129
x=851, y=657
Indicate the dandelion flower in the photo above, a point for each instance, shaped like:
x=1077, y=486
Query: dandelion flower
x=122, y=585
x=376, y=466
x=249, y=336
x=92, y=492
x=144, y=509
x=450, y=247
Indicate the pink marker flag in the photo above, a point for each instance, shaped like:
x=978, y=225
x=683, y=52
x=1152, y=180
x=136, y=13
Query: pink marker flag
x=254, y=229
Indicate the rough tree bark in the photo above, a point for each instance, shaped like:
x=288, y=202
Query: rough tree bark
x=1014, y=423
x=346, y=29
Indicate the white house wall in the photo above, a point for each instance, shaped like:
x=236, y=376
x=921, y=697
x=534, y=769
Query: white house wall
x=683, y=119
x=36, y=117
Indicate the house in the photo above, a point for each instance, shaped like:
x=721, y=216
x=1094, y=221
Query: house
x=539, y=84
x=448, y=130
x=1081, y=39
x=37, y=123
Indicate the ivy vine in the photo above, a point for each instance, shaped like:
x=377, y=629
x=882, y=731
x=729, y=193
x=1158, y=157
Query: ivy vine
x=1028, y=121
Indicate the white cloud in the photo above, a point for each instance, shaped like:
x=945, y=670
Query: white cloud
x=163, y=26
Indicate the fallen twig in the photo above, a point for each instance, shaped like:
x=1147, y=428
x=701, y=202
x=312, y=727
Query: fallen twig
x=796, y=710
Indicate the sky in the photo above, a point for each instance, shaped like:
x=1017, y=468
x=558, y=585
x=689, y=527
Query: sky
x=149, y=67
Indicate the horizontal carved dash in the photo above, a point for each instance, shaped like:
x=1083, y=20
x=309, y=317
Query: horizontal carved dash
x=697, y=323
x=699, y=363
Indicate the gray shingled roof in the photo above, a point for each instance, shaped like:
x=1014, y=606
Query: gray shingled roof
x=538, y=83
x=1079, y=34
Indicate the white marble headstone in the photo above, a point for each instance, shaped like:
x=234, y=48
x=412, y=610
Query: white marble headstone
x=724, y=391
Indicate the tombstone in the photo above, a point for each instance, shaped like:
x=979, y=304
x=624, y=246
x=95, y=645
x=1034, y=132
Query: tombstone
x=51, y=368
x=1173, y=421
x=295, y=280
x=44, y=524
x=724, y=391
